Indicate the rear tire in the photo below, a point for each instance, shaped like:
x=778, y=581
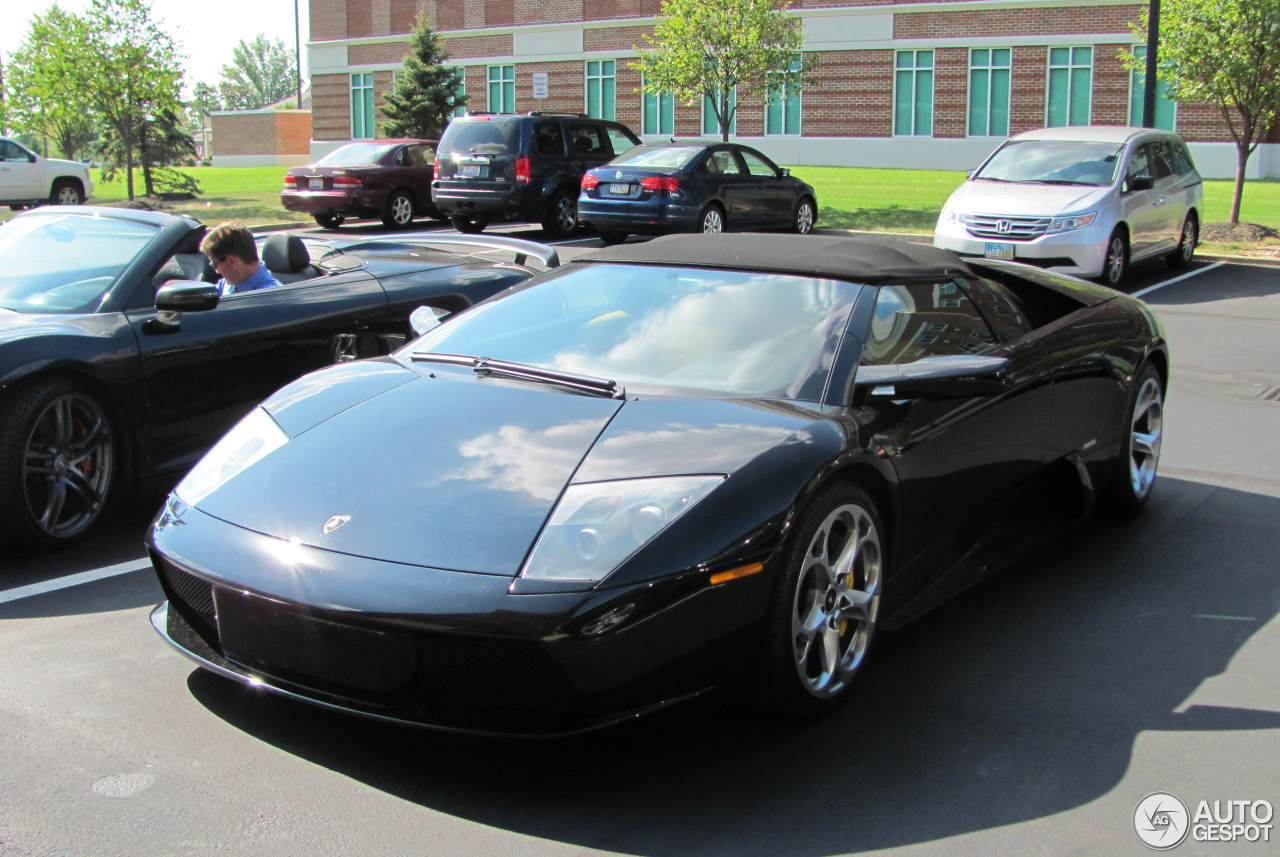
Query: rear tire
x=711, y=220
x=806, y=215
x=1135, y=477
x=1186, y=249
x=1116, y=264
x=825, y=602
x=329, y=221
x=66, y=192
x=468, y=225
x=610, y=236
x=561, y=216
x=399, y=211
x=57, y=464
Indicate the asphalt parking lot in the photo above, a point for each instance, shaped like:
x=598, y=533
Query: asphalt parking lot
x=1030, y=716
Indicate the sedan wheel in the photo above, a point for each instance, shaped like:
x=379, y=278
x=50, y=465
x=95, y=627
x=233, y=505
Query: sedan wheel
x=805, y=217
x=1117, y=262
x=57, y=465
x=825, y=603
x=399, y=211
x=712, y=220
x=1140, y=448
x=329, y=221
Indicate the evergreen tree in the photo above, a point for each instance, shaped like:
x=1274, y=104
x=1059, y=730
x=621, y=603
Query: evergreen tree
x=426, y=94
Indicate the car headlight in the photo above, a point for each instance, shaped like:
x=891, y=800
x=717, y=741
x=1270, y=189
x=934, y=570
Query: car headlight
x=254, y=437
x=950, y=215
x=597, y=526
x=1066, y=224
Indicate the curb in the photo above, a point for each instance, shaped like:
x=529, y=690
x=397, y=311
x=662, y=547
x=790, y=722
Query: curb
x=1261, y=261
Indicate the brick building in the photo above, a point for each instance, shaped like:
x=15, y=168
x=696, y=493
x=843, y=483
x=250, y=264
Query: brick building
x=903, y=83
x=273, y=136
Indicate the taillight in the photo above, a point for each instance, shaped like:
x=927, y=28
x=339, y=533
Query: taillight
x=667, y=183
x=523, y=170
x=589, y=181
x=290, y=183
x=348, y=181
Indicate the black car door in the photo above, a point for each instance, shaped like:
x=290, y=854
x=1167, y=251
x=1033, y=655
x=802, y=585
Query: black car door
x=774, y=198
x=209, y=370
x=732, y=184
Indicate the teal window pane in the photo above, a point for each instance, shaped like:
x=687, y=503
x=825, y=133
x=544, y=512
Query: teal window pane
x=979, y=99
x=773, y=120
x=1059, y=93
x=924, y=102
x=1059, y=56
x=509, y=72
x=1082, y=56
x=792, y=125
x=608, y=67
x=999, y=103
x=593, y=97
x=1081, y=89
x=709, y=123
x=924, y=59
x=667, y=113
x=495, y=73
x=1000, y=57
x=357, y=121
x=649, y=122
x=607, y=106
x=979, y=57
x=495, y=97
x=906, y=59
x=902, y=104
x=593, y=68
x=508, y=97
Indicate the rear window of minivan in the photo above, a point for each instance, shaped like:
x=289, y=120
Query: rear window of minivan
x=481, y=137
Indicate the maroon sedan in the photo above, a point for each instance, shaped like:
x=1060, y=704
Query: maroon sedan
x=390, y=179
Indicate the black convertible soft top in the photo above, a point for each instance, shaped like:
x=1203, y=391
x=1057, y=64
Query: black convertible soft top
x=873, y=261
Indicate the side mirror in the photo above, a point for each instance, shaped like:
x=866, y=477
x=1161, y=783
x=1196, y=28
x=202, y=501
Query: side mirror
x=960, y=377
x=1141, y=183
x=426, y=318
x=174, y=299
x=784, y=171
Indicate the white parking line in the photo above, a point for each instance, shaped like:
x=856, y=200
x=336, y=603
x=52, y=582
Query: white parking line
x=1150, y=289
x=74, y=580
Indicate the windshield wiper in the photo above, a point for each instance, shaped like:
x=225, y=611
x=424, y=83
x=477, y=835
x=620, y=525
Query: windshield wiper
x=1064, y=181
x=485, y=366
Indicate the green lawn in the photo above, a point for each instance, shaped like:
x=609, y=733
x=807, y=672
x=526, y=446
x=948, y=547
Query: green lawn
x=848, y=198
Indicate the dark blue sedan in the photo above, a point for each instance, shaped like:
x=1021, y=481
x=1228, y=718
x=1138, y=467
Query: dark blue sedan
x=693, y=186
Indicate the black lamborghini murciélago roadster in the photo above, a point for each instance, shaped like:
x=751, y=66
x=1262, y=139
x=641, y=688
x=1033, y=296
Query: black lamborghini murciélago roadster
x=652, y=470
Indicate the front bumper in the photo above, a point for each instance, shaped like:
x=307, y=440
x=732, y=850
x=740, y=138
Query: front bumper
x=435, y=648
x=1080, y=252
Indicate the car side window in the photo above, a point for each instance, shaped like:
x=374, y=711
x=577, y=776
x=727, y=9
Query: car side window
x=1001, y=308
x=1139, y=165
x=10, y=151
x=619, y=140
x=1181, y=159
x=401, y=157
x=723, y=162
x=1161, y=159
x=420, y=154
x=758, y=166
x=588, y=139
x=917, y=321
x=548, y=139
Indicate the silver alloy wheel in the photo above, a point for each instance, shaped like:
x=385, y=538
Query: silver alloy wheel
x=1115, y=259
x=712, y=221
x=804, y=218
x=67, y=465
x=402, y=210
x=837, y=595
x=1187, y=247
x=1145, y=430
x=566, y=214
x=67, y=195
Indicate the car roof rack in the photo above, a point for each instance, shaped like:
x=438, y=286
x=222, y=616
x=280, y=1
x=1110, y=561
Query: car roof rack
x=554, y=113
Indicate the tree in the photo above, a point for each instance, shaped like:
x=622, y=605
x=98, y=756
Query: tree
x=163, y=143
x=426, y=95
x=261, y=72
x=1225, y=53
x=44, y=101
x=712, y=48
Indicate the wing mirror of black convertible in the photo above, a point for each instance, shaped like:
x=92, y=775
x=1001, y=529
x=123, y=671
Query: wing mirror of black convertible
x=173, y=299
x=426, y=318
x=959, y=377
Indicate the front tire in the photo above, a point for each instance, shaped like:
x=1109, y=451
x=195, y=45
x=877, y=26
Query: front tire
x=399, y=211
x=66, y=192
x=1131, y=487
x=806, y=215
x=1116, y=264
x=329, y=221
x=825, y=602
x=712, y=220
x=609, y=237
x=561, y=216
x=468, y=225
x=1186, y=249
x=57, y=464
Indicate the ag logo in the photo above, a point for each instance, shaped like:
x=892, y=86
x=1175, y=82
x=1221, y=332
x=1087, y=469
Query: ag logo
x=1161, y=821
x=335, y=522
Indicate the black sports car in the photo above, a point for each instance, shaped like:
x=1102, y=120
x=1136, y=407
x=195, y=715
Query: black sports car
x=694, y=186
x=658, y=468
x=119, y=361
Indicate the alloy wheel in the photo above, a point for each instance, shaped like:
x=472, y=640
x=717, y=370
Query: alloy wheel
x=1145, y=430
x=804, y=218
x=67, y=465
x=712, y=221
x=402, y=210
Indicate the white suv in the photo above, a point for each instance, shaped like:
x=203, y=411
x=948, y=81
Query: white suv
x=28, y=179
x=1080, y=200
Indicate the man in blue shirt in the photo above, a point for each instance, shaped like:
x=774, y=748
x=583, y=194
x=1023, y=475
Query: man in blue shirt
x=234, y=255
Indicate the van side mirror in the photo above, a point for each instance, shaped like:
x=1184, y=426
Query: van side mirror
x=1141, y=183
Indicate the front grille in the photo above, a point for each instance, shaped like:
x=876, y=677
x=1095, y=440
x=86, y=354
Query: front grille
x=1008, y=228
x=493, y=672
x=194, y=593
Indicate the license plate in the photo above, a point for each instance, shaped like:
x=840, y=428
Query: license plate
x=473, y=171
x=620, y=188
x=316, y=184
x=999, y=251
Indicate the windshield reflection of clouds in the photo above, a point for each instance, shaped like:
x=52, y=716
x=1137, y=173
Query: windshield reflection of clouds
x=521, y=460
x=718, y=449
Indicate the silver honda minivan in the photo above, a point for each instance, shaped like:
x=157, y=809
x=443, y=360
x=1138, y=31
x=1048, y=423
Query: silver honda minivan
x=1083, y=200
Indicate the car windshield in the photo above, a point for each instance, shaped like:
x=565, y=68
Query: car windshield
x=481, y=137
x=354, y=155
x=664, y=157
x=732, y=332
x=1053, y=162
x=56, y=262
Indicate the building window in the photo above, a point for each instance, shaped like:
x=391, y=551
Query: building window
x=989, y=92
x=1166, y=108
x=1070, y=86
x=710, y=124
x=502, y=89
x=658, y=114
x=782, y=112
x=459, y=90
x=913, y=94
x=600, y=89
x=362, y=106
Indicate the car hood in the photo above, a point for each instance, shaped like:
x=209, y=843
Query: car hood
x=446, y=470
x=16, y=326
x=1012, y=199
